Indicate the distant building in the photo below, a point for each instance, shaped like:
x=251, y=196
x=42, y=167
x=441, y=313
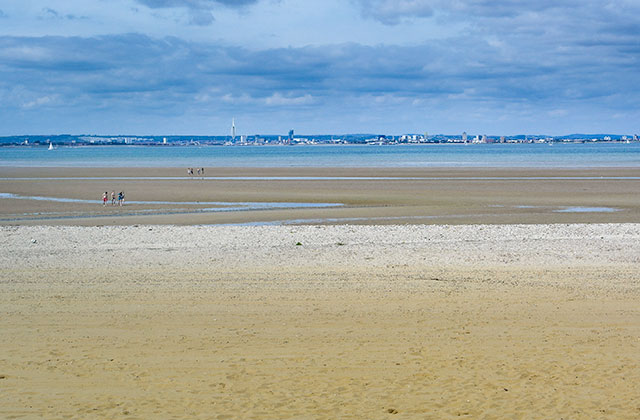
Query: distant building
x=290, y=135
x=464, y=136
x=233, y=129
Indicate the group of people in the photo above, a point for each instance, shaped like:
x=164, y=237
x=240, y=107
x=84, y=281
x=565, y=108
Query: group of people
x=105, y=198
x=199, y=170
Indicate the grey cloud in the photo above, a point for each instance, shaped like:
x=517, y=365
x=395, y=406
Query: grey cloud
x=195, y=4
x=392, y=12
x=135, y=73
x=48, y=13
x=201, y=17
x=139, y=63
x=506, y=8
x=199, y=10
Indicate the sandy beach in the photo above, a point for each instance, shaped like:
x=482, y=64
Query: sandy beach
x=359, y=195
x=322, y=322
x=376, y=293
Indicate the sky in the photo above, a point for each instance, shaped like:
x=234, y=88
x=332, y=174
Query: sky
x=187, y=67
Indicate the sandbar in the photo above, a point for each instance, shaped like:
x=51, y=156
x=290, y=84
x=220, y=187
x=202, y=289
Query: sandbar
x=362, y=196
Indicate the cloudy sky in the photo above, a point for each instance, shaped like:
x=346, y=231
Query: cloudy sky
x=319, y=66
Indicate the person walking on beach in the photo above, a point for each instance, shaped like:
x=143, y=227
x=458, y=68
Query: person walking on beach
x=105, y=196
x=113, y=198
x=121, y=198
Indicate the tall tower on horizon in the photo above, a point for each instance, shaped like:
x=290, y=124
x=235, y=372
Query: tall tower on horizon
x=233, y=129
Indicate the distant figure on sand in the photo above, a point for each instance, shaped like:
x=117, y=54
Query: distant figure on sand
x=190, y=171
x=198, y=171
x=202, y=170
x=113, y=198
x=105, y=196
x=121, y=198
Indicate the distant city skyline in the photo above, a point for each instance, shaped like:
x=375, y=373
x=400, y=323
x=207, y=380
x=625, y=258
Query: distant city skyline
x=191, y=67
x=303, y=139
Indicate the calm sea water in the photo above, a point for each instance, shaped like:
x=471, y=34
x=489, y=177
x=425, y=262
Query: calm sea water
x=402, y=156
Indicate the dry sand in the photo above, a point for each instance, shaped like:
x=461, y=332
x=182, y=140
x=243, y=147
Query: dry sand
x=442, y=196
x=356, y=322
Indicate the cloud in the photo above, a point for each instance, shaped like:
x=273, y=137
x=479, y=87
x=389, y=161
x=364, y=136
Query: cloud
x=201, y=17
x=48, y=13
x=117, y=66
x=195, y=4
x=505, y=8
x=393, y=12
x=200, y=11
x=277, y=99
x=40, y=101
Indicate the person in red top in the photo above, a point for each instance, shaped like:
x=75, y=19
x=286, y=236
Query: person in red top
x=105, y=196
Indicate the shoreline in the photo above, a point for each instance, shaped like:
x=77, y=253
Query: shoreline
x=361, y=196
x=8, y=170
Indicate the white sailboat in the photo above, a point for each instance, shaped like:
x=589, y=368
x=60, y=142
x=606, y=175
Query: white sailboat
x=50, y=146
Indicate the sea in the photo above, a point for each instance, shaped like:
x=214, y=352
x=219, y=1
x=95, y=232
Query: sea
x=557, y=155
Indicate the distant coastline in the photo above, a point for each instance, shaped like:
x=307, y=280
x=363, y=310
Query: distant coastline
x=326, y=139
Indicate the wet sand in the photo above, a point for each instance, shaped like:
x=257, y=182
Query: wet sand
x=367, y=196
x=322, y=322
